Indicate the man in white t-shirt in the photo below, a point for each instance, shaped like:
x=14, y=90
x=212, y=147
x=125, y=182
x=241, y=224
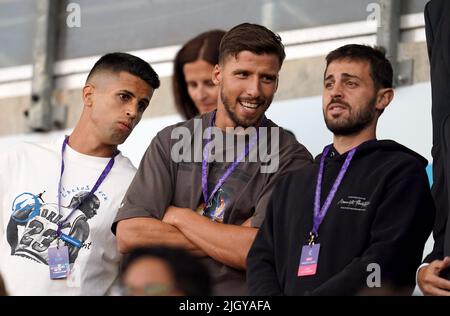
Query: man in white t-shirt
x=58, y=200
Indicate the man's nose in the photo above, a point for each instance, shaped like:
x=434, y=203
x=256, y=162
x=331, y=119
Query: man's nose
x=132, y=109
x=253, y=88
x=336, y=91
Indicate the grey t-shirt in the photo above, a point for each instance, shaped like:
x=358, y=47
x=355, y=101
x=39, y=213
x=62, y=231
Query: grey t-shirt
x=160, y=181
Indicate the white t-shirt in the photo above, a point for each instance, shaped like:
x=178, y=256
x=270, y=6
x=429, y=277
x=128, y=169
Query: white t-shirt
x=29, y=176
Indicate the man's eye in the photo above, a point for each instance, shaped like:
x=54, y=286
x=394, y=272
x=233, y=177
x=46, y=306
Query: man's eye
x=142, y=106
x=124, y=97
x=268, y=79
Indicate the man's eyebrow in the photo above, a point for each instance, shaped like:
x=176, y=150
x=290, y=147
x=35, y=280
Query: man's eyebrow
x=270, y=75
x=128, y=92
x=329, y=77
x=345, y=75
x=236, y=71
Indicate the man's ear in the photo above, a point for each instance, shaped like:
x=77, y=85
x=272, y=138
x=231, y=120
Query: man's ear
x=217, y=74
x=88, y=91
x=384, y=98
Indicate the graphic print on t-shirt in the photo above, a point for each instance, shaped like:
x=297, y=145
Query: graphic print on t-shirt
x=216, y=207
x=34, y=222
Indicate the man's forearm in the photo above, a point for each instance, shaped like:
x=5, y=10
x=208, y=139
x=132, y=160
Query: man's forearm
x=225, y=243
x=143, y=232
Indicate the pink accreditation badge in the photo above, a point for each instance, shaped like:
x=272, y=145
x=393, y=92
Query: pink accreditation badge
x=308, y=260
x=58, y=262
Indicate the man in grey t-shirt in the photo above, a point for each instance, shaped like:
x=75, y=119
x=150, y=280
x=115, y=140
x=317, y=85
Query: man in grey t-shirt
x=210, y=207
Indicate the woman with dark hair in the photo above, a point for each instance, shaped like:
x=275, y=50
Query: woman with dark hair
x=193, y=89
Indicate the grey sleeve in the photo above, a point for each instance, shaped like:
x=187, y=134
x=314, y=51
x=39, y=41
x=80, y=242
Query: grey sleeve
x=151, y=190
x=292, y=157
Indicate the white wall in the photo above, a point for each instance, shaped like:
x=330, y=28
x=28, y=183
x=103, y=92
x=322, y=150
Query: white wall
x=406, y=120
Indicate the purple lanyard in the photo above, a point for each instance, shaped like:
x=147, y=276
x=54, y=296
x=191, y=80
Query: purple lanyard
x=97, y=184
x=230, y=168
x=319, y=213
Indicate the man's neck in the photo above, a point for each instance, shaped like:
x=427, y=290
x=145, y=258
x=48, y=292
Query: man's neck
x=345, y=143
x=224, y=121
x=88, y=144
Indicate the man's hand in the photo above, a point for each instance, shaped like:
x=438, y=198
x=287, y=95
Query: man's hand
x=429, y=280
x=173, y=213
x=225, y=243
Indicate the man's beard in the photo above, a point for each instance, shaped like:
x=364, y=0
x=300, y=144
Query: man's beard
x=243, y=122
x=354, y=123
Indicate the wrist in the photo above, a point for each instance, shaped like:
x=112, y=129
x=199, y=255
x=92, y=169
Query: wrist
x=179, y=217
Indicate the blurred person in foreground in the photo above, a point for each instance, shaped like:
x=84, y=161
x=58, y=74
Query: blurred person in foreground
x=166, y=271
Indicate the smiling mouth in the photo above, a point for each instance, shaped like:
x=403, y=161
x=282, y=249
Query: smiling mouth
x=249, y=105
x=333, y=106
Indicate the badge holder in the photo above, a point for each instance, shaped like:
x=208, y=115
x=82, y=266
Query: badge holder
x=309, y=257
x=58, y=262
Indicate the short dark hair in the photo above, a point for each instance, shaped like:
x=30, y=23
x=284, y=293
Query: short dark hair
x=204, y=46
x=254, y=38
x=190, y=275
x=380, y=67
x=117, y=62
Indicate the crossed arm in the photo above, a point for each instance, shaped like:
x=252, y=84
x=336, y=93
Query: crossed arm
x=182, y=227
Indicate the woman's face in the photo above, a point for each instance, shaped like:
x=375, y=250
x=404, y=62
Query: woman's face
x=201, y=88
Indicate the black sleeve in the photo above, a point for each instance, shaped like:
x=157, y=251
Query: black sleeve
x=261, y=270
x=437, y=19
x=400, y=229
x=429, y=29
x=440, y=195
